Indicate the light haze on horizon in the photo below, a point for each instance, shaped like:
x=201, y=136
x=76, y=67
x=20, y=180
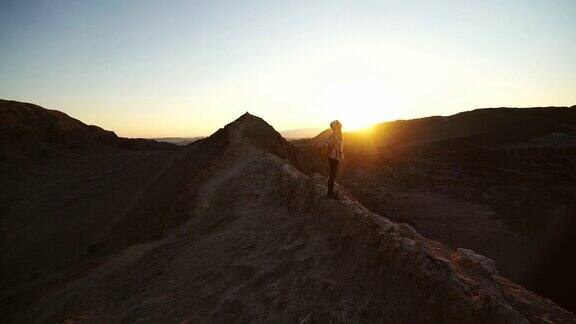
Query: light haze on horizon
x=186, y=68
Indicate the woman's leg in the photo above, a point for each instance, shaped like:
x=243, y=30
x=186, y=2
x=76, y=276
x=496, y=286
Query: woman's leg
x=333, y=170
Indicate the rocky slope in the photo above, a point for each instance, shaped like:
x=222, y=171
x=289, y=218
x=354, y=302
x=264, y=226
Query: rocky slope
x=233, y=228
x=498, y=181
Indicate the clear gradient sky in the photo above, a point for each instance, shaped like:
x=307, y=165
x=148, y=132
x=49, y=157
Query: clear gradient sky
x=147, y=68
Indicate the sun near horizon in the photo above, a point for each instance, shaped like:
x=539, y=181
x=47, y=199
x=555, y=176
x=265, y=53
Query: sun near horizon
x=183, y=68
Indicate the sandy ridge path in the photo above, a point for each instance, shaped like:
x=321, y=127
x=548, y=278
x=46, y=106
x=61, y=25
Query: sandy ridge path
x=240, y=155
x=244, y=156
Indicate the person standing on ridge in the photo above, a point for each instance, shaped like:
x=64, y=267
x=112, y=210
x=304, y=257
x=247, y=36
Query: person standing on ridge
x=335, y=145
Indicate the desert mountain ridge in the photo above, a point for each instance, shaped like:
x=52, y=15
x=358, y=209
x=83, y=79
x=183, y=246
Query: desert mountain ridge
x=469, y=123
x=233, y=227
x=499, y=181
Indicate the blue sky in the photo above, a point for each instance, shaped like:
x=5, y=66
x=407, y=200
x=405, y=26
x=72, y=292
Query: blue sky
x=185, y=68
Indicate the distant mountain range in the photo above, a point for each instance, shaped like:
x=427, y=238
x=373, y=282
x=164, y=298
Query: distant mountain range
x=288, y=134
x=301, y=133
x=178, y=140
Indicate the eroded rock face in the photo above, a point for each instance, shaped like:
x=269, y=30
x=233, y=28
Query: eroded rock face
x=257, y=241
x=470, y=261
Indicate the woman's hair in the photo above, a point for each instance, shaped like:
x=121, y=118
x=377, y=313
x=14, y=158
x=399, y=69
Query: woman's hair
x=337, y=128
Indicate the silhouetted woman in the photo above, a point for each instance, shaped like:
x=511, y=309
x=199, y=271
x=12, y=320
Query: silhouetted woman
x=335, y=146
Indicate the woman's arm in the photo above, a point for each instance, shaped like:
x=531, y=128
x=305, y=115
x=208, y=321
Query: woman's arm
x=328, y=142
